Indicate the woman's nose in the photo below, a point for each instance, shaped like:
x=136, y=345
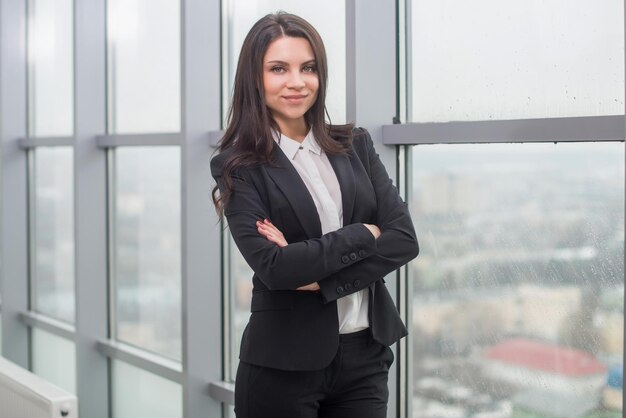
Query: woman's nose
x=295, y=80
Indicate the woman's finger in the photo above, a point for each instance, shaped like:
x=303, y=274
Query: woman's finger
x=271, y=233
x=312, y=287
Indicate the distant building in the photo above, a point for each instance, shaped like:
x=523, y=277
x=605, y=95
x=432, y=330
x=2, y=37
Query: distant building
x=533, y=364
x=450, y=193
x=520, y=310
x=553, y=405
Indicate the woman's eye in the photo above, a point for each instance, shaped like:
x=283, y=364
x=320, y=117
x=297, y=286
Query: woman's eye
x=308, y=68
x=277, y=69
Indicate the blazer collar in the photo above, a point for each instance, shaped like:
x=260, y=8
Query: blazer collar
x=291, y=147
x=289, y=182
x=345, y=176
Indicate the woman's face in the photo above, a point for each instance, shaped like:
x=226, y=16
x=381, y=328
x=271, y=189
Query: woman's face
x=290, y=81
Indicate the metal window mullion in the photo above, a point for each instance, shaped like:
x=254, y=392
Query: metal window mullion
x=226, y=59
x=407, y=31
x=408, y=296
x=111, y=187
x=351, y=61
x=30, y=78
x=111, y=79
x=142, y=359
x=140, y=140
x=372, y=102
x=13, y=177
x=571, y=129
x=32, y=228
x=228, y=333
x=403, y=361
x=56, y=141
x=50, y=325
x=90, y=203
x=200, y=229
x=403, y=56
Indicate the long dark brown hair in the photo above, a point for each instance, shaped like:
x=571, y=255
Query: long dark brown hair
x=250, y=123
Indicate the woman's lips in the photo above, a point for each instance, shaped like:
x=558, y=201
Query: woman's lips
x=295, y=99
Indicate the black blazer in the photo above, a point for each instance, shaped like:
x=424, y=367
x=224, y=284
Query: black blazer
x=298, y=330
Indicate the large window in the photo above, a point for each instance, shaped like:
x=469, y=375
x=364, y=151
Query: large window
x=120, y=284
x=138, y=393
x=519, y=287
x=517, y=297
x=50, y=68
x=52, y=279
x=490, y=59
x=146, y=254
x=144, y=65
x=54, y=359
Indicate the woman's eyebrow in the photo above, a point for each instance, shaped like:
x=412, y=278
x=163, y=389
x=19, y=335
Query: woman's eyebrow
x=311, y=61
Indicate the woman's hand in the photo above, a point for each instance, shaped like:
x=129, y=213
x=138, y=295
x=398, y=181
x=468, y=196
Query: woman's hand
x=273, y=234
x=313, y=287
x=373, y=229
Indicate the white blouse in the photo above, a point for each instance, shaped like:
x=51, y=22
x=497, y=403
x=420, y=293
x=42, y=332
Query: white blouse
x=311, y=162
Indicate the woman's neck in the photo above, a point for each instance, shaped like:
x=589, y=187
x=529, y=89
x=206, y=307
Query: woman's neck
x=296, y=130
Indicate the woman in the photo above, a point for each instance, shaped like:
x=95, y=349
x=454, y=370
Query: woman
x=314, y=213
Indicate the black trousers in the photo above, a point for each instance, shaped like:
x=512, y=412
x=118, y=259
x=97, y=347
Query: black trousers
x=354, y=385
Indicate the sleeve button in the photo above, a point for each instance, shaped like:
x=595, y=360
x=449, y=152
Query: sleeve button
x=340, y=289
x=345, y=259
x=348, y=286
x=353, y=256
x=357, y=283
x=361, y=253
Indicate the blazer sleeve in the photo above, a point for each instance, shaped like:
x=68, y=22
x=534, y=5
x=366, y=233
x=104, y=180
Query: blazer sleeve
x=297, y=264
x=396, y=245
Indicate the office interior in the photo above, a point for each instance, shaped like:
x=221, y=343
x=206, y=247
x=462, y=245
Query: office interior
x=502, y=124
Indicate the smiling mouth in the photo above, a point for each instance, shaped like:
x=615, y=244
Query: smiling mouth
x=295, y=98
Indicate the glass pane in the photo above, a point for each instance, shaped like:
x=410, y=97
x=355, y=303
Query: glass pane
x=240, y=281
x=144, y=65
x=518, y=304
x=147, y=250
x=327, y=16
x=51, y=69
x=53, y=278
x=489, y=59
x=137, y=393
x=54, y=359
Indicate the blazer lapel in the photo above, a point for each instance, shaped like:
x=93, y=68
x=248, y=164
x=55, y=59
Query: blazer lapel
x=345, y=176
x=291, y=185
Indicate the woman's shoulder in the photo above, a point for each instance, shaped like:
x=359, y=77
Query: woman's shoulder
x=361, y=139
x=218, y=161
x=234, y=161
x=360, y=133
x=348, y=134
